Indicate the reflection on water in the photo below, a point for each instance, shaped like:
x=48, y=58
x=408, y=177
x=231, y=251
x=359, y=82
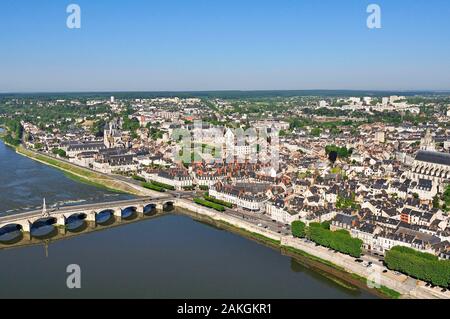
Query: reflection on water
x=11, y=237
x=44, y=232
x=104, y=217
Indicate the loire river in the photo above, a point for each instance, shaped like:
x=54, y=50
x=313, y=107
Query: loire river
x=170, y=256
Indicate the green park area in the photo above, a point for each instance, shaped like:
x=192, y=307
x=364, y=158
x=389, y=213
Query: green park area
x=321, y=234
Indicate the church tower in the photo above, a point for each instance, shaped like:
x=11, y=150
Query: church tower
x=108, y=134
x=112, y=136
x=427, y=142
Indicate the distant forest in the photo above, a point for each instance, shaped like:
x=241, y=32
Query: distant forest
x=220, y=94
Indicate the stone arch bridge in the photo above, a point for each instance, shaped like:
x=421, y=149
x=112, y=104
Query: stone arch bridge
x=59, y=216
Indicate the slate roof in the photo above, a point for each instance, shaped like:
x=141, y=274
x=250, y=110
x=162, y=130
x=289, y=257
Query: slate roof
x=433, y=157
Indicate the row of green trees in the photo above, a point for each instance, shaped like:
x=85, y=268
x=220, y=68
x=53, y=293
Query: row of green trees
x=209, y=204
x=138, y=178
x=419, y=265
x=166, y=186
x=218, y=201
x=298, y=229
x=153, y=187
x=340, y=240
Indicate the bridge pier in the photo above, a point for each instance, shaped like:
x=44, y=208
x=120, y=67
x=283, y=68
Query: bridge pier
x=140, y=210
x=26, y=226
x=118, y=212
x=61, y=224
x=61, y=221
x=160, y=206
x=90, y=216
x=90, y=219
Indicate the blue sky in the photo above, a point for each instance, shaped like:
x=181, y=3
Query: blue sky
x=149, y=45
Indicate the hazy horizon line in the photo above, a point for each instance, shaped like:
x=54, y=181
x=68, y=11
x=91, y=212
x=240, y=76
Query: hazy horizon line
x=226, y=90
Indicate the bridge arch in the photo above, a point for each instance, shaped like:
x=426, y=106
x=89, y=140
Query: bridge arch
x=104, y=216
x=43, y=226
x=10, y=228
x=129, y=212
x=75, y=221
x=11, y=233
x=149, y=208
x=43, y=221
x=77, y=215
x=168, y=205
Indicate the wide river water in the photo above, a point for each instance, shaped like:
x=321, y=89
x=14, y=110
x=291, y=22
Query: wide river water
x=171, y=256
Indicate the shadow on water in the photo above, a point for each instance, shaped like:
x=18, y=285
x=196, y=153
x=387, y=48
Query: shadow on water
x=296, y=266
x=328, y=279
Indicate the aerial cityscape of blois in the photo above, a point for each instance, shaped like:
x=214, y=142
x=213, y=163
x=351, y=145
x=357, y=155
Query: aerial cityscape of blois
x=225, y=158
x=359, y=181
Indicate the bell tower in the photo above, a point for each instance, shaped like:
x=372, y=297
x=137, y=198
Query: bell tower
x=427, y=142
